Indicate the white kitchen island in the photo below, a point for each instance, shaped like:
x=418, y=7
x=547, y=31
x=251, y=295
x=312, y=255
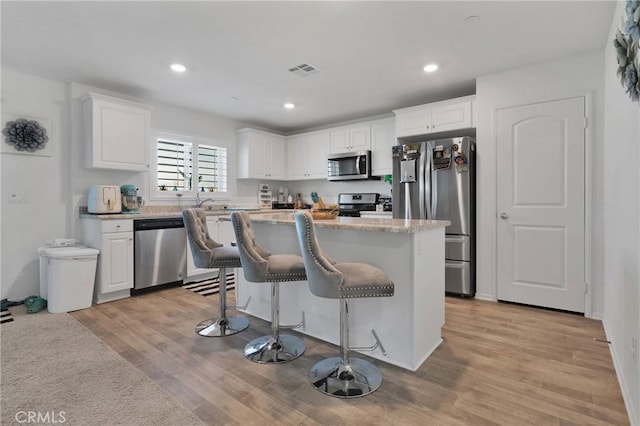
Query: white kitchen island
x=411, y=252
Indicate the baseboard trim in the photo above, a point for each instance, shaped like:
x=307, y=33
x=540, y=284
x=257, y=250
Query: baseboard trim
x=634, y=417
x=596, y=316
x=487, y=297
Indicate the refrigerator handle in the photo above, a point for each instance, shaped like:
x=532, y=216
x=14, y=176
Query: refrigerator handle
x=427, y=180
x=434, y=194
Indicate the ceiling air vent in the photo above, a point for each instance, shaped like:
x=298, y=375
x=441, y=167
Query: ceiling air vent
x=304, y=70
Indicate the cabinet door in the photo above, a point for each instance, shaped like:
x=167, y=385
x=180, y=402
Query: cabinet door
x=451, y=117
x=317, y=149
x=116, y=262
x=297, y=159
x=277, y=164
x=360, y=138
x=257, y=152
x=118, y=133
x=412, y=123
x=339, y=140
x=383, y=137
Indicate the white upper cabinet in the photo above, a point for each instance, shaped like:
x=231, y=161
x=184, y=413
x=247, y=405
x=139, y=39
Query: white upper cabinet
x=308, y=155
x=116, y=133
x=437, y=117
x=261, y=155
x=350, y=138
x=383, y=137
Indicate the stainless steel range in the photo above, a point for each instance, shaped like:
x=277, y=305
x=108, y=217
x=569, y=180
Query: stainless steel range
x=354, y=203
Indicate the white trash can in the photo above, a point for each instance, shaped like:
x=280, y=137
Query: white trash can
x=67, y=277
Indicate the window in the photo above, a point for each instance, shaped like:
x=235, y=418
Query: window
x=186, y=165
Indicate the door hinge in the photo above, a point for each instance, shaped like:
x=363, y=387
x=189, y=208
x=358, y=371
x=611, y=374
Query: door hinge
x=586, y=288
x=586, y=122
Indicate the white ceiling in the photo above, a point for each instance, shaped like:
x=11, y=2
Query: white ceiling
x=370, y=54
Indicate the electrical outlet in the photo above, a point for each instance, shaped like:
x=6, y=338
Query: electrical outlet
x=19, y=198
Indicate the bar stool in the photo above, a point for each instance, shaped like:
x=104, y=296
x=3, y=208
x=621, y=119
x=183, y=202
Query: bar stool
x=260, y=266
x=209, y=254
x=342, y=377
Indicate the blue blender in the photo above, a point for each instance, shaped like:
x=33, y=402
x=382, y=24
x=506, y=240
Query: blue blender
x=131, y=202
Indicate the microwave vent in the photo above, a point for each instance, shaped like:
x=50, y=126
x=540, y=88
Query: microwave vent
x=304, y=70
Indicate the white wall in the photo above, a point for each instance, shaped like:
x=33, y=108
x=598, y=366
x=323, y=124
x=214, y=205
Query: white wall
x=577, y=75
x=57, y=185
x=622, y=226
x=27, y=226
x=163, y=117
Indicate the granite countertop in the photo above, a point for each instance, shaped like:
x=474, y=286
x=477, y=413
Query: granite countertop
x=158, y=212
x=401, y=226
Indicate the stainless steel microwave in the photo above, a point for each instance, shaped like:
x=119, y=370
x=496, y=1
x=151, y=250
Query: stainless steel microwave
x=349, y=166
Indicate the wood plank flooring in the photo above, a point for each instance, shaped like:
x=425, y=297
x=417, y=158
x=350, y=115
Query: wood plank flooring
x=499, y=364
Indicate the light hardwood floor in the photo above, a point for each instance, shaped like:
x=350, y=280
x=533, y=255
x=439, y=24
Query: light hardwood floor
x=499, y=364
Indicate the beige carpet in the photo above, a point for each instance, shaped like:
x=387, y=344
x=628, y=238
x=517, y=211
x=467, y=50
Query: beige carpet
x=53, y=364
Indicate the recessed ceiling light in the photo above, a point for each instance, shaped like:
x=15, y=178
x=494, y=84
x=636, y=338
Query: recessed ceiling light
x=289, y=105
x=471, y=19
x=430, y=68
x=178, y=67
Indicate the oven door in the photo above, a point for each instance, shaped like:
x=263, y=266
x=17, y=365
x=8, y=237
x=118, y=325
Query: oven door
x=349, y=166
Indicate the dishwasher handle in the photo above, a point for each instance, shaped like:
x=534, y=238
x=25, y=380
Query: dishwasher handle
x=149, y=224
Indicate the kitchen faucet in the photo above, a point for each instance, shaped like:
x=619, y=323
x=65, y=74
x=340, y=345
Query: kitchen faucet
x=199, y=203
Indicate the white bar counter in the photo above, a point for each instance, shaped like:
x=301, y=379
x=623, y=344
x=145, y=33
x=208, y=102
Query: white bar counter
x=411, y=252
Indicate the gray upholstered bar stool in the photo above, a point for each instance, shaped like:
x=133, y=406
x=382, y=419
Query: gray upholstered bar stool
x=260, y=266
x=209, y=254
x=343, y=376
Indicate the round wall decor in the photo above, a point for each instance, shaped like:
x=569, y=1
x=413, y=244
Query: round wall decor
x=627, y=45
x=25, y=135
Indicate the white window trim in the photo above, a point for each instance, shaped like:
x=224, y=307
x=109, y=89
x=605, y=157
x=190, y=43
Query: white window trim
x=169, y=136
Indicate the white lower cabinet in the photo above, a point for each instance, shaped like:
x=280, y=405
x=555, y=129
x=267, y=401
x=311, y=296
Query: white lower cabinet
x=219, y=231
x=114, y=239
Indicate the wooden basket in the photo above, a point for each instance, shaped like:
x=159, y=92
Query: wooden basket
x=324, y=214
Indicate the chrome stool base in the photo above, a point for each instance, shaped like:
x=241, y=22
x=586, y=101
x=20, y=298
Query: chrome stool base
x=333, y=377
x=220, y=327
x=267, y=350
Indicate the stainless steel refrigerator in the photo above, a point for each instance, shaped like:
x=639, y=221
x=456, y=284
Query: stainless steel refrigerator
x=436, y=180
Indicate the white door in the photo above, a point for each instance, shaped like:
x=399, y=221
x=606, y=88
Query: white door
x=541, y=183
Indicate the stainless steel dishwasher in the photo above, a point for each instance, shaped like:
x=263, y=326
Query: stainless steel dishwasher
x=160, y=252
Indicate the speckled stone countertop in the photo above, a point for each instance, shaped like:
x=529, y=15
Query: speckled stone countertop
x=358, y=223
x=157, y=212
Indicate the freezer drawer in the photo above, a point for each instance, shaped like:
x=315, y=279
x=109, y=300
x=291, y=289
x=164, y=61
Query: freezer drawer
x=457, y=247
x=458, y=278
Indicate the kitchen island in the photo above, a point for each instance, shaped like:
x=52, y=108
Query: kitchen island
x=411, y=252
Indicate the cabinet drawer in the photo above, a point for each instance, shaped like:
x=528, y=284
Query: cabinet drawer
x=109, y=226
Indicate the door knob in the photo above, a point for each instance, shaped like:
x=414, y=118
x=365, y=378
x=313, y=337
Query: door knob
x=503, y=215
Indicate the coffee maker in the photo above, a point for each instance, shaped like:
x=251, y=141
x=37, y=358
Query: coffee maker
x=131, y=202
